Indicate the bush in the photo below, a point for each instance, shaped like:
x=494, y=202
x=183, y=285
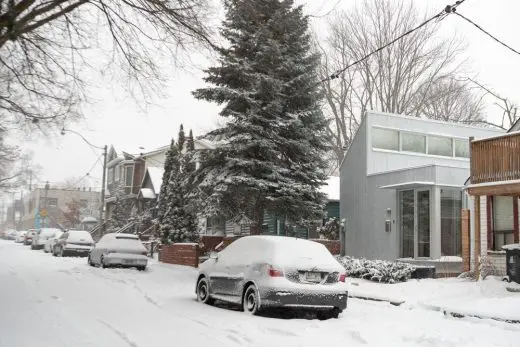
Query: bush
x=377, y=270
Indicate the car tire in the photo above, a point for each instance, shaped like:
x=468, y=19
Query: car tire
x=89, y=261
x=102, y=262
x=324, y=315
x=203, y=291
x=251, y=300
x=141, y=268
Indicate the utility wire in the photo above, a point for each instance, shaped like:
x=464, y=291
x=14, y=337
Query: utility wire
x=441, y=15
x=486, y=32
x=88, y=172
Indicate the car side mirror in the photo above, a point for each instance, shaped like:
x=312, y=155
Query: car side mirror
x=213, y=255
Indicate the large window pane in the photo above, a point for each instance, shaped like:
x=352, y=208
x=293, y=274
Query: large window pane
x=423, y=223
x=461, y=148
x=451, y=239
x=413, y=143
x=440, y=146
x=407, y=212
x=129, y=175
x=385, y=139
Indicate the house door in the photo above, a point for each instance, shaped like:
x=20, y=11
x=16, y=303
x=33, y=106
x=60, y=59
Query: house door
x=415, y=210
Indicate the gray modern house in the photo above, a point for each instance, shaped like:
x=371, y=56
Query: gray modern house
x=401, y=187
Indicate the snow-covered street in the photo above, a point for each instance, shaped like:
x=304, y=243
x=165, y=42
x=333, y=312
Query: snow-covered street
x=48, y=301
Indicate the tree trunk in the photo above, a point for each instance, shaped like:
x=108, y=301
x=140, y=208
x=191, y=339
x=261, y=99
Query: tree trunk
x=258, y=219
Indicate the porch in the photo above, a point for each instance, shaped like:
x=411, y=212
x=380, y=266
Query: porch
x=495, y=190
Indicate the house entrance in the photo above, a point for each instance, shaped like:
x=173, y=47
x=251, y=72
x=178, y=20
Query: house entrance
x=414, y=207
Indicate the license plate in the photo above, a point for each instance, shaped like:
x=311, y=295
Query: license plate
x=126, y=261
x=313, y=276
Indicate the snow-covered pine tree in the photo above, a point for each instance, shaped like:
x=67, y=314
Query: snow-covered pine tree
x=181, y=139
x=165, y=193
x=272, y=146
x=182, y=221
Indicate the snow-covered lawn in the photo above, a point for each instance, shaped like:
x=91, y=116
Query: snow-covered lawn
x=48, y=301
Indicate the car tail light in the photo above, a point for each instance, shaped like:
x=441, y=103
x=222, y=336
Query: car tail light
x=273, y=272
x=342, y=277
x=144, y=253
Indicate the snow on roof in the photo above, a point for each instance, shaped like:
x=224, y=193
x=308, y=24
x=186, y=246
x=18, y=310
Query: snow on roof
x=89, y=219
x=331, y=189
x=511, y=247
x=147, y=193
x=156, y=175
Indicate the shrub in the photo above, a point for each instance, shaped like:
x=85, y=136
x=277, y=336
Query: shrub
x=377, y=270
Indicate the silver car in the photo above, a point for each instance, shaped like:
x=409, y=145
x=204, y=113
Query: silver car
x=260, y=272
x=121, y=250
x=41, y=237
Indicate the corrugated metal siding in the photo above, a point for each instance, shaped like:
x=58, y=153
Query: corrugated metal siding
x=353, y=194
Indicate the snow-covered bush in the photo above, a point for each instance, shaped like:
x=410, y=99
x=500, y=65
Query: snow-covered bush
x=377, y=270
x=330, y=230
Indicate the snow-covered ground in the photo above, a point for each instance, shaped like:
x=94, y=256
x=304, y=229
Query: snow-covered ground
x=48, y=301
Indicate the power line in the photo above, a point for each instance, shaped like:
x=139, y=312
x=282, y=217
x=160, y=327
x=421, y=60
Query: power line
x=486, y=32
x=441, y=15
x=88, y=172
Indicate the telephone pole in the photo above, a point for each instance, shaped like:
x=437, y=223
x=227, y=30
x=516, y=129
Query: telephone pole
x=102, y=205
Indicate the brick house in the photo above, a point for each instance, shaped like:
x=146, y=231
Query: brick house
x=494, y=189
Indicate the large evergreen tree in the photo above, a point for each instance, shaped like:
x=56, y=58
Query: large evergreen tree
x=170, y=165
x=270, y=153
x=176, y=221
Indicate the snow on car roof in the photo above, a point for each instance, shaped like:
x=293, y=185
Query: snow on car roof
x=293, y=252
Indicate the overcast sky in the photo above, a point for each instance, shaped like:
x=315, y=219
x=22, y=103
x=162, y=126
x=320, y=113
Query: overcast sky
x=113, y=118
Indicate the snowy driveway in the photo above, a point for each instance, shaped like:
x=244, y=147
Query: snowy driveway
x=47, y=301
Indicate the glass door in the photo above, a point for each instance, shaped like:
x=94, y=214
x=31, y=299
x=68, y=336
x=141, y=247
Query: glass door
x=407, y=220
x=423, y=223
x=414, y=213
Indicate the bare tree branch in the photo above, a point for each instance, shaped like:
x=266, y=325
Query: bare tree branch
x=404, y=78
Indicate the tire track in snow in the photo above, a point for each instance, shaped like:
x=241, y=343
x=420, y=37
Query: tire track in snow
x=121, y=334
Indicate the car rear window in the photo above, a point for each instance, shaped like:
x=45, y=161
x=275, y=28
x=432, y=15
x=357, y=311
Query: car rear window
x=79, y=236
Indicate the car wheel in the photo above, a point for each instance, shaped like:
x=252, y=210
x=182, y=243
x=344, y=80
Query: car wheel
x=203, y=291
x=102, y=261
x=89, y=261
x=324, y=315
x=251, y=300
x=141, y=268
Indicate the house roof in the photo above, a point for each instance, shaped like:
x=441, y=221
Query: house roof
x=147, y=193
x=331, y=188
x=156, y=175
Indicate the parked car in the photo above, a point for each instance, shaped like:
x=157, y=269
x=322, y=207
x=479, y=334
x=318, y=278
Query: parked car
x=49, y=245
x=29, y=236
x=20, y=236
x=3, y=234
x=260, y=272
x=73, y=242
x=11, y=235
x=41, y=237
x=123, y=250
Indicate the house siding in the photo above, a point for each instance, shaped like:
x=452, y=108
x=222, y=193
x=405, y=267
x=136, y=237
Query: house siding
x=353, y=192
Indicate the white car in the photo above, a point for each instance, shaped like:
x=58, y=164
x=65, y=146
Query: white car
x=73, y=242
x=261, y=272
x=49, y=245
x=20, y=236
x=118, y=249
x=42, y=236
